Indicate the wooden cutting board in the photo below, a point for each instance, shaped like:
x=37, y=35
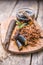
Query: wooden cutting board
x=13, y=47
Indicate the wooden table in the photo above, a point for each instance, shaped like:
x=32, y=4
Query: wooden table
x=9, y=8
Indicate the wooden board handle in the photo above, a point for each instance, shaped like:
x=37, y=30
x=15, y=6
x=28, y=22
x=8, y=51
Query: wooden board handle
x=9, y=33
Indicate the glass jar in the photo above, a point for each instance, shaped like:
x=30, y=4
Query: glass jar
x=20, y=14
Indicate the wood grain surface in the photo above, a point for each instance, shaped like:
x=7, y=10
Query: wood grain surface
x=28, y=59
x=37, y=58
x=5, y=11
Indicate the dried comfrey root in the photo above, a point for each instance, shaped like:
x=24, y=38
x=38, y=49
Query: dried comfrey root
x=31, y=33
